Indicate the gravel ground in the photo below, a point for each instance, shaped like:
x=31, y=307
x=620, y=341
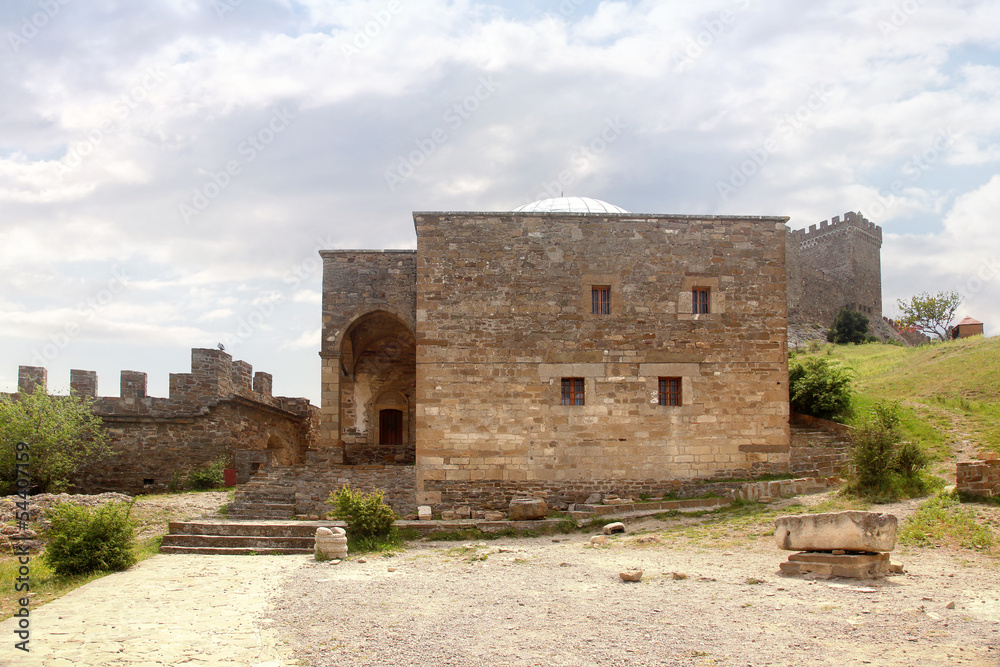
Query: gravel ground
x=538, y=601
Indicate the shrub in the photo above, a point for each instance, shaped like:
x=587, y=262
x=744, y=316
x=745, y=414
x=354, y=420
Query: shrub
x=209, y=477
x=367, y=515
x=884, y=467
x=819, y=387
x=82, y=540
x=849, y=326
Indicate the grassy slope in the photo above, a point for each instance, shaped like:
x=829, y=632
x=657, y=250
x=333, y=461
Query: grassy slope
x=947, y=388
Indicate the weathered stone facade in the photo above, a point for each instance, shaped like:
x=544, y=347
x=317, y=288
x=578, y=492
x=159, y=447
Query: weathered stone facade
x=368, y=353
x=834, y=265
x=499, y=306
x=219, y=409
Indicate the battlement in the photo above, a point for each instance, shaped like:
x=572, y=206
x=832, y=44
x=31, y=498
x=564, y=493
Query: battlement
x=853, y=223
x=214, y=376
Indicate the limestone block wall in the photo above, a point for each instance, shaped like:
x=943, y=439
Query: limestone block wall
x=314, y=483
x=979, y=478
x=369, y=296
x=834, y=264
x=504, y=313
x=212, y=411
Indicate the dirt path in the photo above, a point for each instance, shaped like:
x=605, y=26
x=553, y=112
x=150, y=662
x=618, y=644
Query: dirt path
x=540, y=602
x=168, y=610
x=964, y=446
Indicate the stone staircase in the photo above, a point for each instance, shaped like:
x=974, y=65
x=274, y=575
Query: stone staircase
x=263, y=497
x=818, y=452
x=242, y=537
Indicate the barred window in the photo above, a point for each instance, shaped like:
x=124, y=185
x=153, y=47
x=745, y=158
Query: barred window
x=699, y=300
x=670, y=391
x=572, y=391
x=600, y=296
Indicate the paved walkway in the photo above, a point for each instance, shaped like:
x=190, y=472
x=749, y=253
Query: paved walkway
x=196, y=611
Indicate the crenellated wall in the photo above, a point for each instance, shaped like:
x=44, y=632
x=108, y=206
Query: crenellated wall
x=834, y=264
x=219, y=409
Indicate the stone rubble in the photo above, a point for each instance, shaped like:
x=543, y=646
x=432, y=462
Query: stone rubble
x=527, y=509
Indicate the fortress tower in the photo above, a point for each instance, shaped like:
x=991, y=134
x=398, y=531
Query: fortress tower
x=834, y=265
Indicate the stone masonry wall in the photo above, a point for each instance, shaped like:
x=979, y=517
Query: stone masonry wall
x=313, y=484
x=212, y=411
x=503, y=313
x=979, y=478
x=362, y=289
x=833, y=265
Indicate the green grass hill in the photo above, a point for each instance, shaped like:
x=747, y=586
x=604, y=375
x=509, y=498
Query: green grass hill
x=950, y=391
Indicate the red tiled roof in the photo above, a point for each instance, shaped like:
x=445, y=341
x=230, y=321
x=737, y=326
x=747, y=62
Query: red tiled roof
x=969, y=320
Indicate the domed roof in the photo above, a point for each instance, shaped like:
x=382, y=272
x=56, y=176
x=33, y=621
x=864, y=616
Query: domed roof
x=569, y=205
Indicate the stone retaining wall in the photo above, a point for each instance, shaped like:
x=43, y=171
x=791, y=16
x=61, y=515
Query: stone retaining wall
x=313, y=484
x=979, y=478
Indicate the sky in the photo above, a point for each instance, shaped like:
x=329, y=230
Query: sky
x=169, y=169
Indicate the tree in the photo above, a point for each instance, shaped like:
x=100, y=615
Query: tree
x=930, y=313
x=62, y=433
x=849, y=326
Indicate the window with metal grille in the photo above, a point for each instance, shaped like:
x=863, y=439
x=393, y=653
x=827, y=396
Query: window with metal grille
x=670, y=391
x=600, y=299
x=572, y=391
x=699, y=300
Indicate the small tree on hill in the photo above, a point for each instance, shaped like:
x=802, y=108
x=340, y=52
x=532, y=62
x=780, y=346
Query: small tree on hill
x=62, y=433
x=930, y=313
x=849, y=326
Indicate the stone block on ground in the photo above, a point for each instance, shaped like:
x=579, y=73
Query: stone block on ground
x=424, y=513
x=527, y=509
x=631, y=575
x=616, y=527
x=493, y=516
x=851, y=531
x=854, y=566
x=331, y=544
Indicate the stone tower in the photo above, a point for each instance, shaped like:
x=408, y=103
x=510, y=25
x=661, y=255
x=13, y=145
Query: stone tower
x=834, y=265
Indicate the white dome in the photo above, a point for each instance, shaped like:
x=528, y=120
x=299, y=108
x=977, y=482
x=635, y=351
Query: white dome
x=569, y=205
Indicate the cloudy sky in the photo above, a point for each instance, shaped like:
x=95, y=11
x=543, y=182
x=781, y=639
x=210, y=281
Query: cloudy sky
x=169, y=168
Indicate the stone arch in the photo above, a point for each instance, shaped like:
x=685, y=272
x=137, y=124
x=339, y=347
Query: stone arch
x=377, y=355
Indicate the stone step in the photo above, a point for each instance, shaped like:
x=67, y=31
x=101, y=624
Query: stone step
x=280, y=491
x=251, y=528
x=241, y=508
x=264, y=498
x=256, y=513
x=239, y=541
x=234, y=551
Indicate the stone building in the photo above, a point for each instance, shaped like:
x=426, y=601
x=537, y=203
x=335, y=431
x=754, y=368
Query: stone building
x=563, y=348
x=220, y=409
x=835, y=265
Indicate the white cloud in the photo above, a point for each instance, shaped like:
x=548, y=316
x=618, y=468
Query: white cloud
x=166, y=100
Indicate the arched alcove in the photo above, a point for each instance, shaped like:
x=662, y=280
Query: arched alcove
x=378, y=374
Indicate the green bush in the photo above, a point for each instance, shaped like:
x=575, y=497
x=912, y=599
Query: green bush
x=367, y=515
x=883, y=466
x=209, y=477
x=849, y=326
x=819, y=387
x=82, y=540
